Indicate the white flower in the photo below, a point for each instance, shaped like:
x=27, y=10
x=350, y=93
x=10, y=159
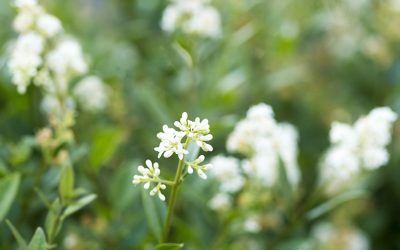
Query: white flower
x=171, y=143
x=150, y=174
x=25, y=3
x=252, y=225
x=204, y=22
x=227, y=171
x=25, y=59
x=266, y=143
x=67, y=60
x=51, y=105
x=357, y=147
x=194, y=17
x=220, y=202
x=199, y=168
x=23, y=22
x=197, y=130
x=48, y=25
x=91, y=93
x=346, y=238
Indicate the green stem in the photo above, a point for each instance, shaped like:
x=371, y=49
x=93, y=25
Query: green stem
x=172, y=198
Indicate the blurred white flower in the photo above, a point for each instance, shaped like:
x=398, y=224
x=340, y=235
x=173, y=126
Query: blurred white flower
x=51, y=105
x=25, y=3
x=227, y=171
x=194, y=17
x=25, y=59
x=357, y=147
x=252, y=224
x=328, y=236
x=66, y=59
x=91, y=93
x=48, y=25
x=171, y=142
x=150, y=174
x=266, y=143
x=220, y=202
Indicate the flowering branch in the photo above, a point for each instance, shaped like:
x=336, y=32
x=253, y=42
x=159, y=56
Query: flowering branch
x=197, y=131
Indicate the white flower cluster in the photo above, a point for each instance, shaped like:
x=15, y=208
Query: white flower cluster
x=34, y=26
x=196, y=17
x=358, y=147
x=91, y=93
x=42, y=56
x=265, y=143
x=197, y=131
x=149, y=175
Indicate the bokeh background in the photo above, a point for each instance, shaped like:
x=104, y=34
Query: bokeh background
x=312, y=61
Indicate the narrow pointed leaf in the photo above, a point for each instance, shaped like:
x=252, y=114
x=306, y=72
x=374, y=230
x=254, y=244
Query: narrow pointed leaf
x=20, y=240
x=38, y=241
x=8, y=190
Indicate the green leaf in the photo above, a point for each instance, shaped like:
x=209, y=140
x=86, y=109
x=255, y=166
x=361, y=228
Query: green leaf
x=22, y=151
x=20, y=240
x=38, y=241
x=169, y=246
x=8, y=190
x=105, y=143
x=66, y=185
x=335, y=202
x=80, y=203
x=184, y=54
x=53, y=220
x=155, y=213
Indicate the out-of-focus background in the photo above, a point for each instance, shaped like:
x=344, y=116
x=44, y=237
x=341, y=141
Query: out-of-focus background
x=313, y=61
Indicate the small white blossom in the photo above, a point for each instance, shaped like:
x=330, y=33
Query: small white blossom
x=197, y=130
x=67, y=60
x=91, y=93
x=171, y=143
x=357, y=147
x=150, y=174
x=195, y=17
x=266, y=143
x=25, y=3
x=25, y=59
x=51, y=105
x=200, y=169
x=227, y=171
x=327, y=235
x=252, y=224
x=48, y=25
x=220, y=202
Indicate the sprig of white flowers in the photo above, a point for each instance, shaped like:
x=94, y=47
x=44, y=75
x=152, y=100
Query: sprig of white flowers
x=46, y=57
x=176, y=142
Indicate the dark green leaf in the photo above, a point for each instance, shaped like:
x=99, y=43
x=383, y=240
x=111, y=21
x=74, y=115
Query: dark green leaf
x=335, y=202
x=80, y=203
x=105, y=144
x=8, y=190
x=21, y=242
x=155, y=211
x=66, y=185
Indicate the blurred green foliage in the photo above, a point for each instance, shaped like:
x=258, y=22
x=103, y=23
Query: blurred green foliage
x=313, y=61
